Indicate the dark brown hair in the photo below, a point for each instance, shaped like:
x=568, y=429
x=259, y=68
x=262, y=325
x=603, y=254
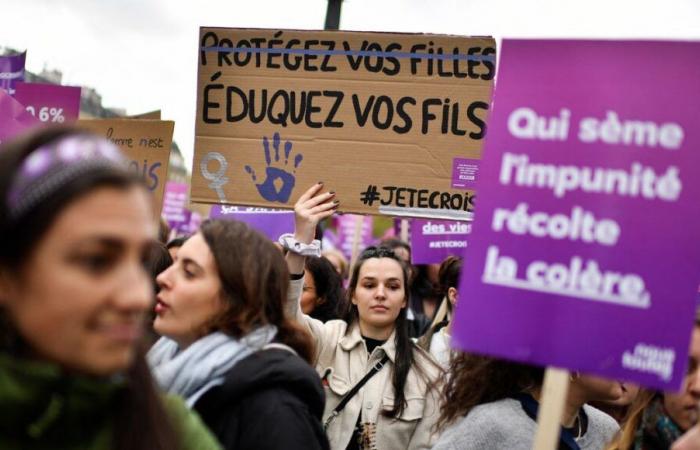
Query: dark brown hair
x=254, y=282
x=140, y=420
x=478, y=379
x=448, y=277
x=329, y=288
x=404, y=345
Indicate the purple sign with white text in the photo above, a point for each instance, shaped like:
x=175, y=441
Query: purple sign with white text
x=347, y=230
x=272, y=223
x=50, y=102
x=585, y=251
x=434, y=240
x=11, y=71
x=175, y=206
x=14, y=119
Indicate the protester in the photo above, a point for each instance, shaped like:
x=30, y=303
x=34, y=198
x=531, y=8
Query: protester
x=492, y=404
x=619, y=409
x=339, y=261
x=229, y=350
x=397, y=406
x=75, y=232
x=437, y=339
x=322, y=296
x=418, y=322
x=658, y=419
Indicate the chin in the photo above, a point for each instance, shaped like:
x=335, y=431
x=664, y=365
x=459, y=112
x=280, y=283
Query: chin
x=108, y=365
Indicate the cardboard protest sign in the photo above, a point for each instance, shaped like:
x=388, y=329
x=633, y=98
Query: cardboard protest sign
x=13, y=117
x=11, y=71
x=271, y=223
x=434, y=240
x=146, y=142
x=385, y=119
x=49, y=102
x=586, y=248
x=151, y=115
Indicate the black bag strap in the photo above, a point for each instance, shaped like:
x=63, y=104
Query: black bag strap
x=351, y=393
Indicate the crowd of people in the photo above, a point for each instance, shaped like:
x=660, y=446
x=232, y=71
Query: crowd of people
x=114, y=339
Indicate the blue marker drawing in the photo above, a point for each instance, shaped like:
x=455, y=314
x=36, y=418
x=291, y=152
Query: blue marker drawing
x=271, y=189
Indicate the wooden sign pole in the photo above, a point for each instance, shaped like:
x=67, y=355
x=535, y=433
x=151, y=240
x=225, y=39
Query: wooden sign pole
x=552, y=400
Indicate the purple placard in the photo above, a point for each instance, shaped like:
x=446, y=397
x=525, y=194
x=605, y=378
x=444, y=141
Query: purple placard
x=434, y=240
x=49, y=102
x=11, y=71
x=13, y=117
x=464, y=173
x=272, y=223
x=347, y=224
x=175, y=205
x=585, y=249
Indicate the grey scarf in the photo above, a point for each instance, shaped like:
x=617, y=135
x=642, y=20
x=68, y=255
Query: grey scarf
x=202, y=365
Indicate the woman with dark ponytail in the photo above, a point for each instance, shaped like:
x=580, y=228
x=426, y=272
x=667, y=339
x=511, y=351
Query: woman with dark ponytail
x=227, y=346
x=380, y=387
x=76, y=229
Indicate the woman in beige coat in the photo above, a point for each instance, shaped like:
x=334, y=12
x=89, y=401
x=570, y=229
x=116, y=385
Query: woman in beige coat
x=398, y=406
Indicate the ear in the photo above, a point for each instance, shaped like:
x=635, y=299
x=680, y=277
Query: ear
x=452, y=295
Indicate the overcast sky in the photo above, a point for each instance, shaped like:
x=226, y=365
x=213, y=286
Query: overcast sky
x=142, y=54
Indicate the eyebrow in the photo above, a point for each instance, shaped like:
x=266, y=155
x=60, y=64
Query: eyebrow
x=190, y=261
x=110, y=243
x=375, y=279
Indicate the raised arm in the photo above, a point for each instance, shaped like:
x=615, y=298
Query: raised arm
x=312, y=207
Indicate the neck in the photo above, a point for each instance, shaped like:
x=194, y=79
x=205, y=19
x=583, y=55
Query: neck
x=373, y=332
x=572, y=406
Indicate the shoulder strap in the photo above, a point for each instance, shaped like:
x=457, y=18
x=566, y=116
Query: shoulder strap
x=278, y=346
x=351, y=393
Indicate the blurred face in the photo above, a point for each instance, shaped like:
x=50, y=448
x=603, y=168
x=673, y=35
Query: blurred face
x=309, y=297
x=379, y=295
x=683, y=407
x=629, y=394
x=189, y=294
x=599, y=389
x=81, y=298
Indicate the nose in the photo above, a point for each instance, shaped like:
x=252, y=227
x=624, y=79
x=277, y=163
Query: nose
x=135, y=291
x=380, y=292
x=163, y=278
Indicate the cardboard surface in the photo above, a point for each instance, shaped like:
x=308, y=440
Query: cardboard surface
x=585, y=251
x=379, y=117
x=146, y=142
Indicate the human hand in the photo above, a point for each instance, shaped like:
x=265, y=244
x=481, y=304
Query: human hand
x=312, y=207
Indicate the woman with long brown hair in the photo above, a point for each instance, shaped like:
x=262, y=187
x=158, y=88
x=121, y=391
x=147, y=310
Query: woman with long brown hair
x=227, y=346
x=75, y=234
x=492, y=404
x=380, y=387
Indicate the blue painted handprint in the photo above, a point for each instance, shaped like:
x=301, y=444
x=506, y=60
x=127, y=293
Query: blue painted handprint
x=278, y=183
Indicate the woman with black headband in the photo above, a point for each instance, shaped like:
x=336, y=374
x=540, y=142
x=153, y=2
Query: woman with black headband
x=75, y=232
x=380, y=387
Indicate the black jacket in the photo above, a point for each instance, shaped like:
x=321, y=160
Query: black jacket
x=270, y=400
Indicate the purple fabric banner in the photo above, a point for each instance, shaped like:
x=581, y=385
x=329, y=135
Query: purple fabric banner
x=585, y=252
x=272, y=223
x=434, y=240
x=13, y=117
x=49, y=102
x=11, y=71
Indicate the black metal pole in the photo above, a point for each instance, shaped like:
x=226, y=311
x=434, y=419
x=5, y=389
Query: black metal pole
x=333, y=15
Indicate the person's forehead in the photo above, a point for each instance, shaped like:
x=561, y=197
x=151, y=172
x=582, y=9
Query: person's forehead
x=381, y=268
